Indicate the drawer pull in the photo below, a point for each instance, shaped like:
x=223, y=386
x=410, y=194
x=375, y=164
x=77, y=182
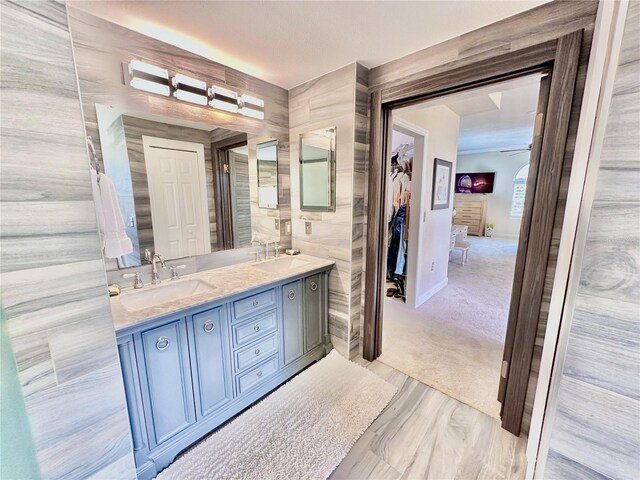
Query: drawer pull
x=209, y=326
x=256, y=303
x=257, y=351
x=256, y=328
x=314, y=286
x=292, y=295
x=162, y=343
x=259, y=373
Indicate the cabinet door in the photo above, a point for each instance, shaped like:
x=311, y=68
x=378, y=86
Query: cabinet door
x=293, y=324
x=133, y=396
x=211, y=360
x=166, y=380
x=313, y=311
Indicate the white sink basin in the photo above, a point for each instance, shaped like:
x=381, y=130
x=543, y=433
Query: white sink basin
x=169, y=292
x=281, y=265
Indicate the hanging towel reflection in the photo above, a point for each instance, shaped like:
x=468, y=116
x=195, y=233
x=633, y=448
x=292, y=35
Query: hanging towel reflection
x=115, y=241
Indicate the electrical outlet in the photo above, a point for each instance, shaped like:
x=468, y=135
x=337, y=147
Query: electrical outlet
x=288, y=228
x=433, y=266
x=307, y=228
x=277, y=223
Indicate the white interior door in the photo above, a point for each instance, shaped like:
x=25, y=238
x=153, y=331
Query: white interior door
x=178, y=197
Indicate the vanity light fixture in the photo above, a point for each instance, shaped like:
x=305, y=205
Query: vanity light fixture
x=149, y=78
x=251, y=107
x=189, y=89
x=223, y=99
x=153, y=79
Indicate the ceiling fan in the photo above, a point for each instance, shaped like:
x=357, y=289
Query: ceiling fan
x=517, y=150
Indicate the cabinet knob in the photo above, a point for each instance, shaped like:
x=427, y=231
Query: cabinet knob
x=259, y=373
x=314, y=286
x=162, y=343
x=256, y=303
x=209, y=326
x=257, y=351
x=256, y=328
x=292, y=295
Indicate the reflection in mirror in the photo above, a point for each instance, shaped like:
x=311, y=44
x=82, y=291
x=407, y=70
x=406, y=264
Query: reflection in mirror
x=318, y=170
x=267, y=155
x=170, y=193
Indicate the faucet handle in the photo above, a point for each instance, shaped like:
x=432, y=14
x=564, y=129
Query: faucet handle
x=174, y=271
x=137, y=282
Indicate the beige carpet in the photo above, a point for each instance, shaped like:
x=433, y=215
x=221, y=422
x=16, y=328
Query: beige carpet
x=454, y=341
x=301, y=431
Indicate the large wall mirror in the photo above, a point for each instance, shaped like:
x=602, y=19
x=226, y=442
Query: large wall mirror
x=267, y=159
x=182, y=188
x=318, y=170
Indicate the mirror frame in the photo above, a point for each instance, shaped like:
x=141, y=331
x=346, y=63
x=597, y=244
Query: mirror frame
x=332, y=174
x=270, y=143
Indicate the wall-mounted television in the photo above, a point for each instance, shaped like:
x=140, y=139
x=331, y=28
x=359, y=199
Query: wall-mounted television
x=475, y=182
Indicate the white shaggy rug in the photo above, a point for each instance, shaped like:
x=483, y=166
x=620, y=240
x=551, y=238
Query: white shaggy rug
x=303, y=430
x=454, y=341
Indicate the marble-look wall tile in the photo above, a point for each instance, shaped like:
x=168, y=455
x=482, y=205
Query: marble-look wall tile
x=328, y=101
x=53, y=280
x=594, y=427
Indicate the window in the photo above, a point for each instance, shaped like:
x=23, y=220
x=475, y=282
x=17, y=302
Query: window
x=519, y=191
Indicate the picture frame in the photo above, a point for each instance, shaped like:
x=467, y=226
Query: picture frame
x=441, y=187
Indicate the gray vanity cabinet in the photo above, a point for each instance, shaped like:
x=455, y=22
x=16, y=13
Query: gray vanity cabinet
x=314, y=311
x=210, y=360
x=188, y=372
x=167, y=391
x=292, y=327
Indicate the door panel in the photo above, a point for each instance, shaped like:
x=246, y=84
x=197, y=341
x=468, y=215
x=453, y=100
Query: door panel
x=313, y=310
x=211, y=364
x=178, y=198
x=293, y=326
x=168, y=383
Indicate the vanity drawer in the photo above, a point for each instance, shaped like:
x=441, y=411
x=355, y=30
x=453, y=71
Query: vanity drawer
x=253, y=354
x=246, y=381
x=254, y=328
x=255, y=303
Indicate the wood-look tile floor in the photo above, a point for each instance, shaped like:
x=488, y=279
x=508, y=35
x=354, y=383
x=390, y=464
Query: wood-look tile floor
x=424, y=434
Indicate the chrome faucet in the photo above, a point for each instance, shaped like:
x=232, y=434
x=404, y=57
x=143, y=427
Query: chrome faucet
x=137, y=276
x=155, y=277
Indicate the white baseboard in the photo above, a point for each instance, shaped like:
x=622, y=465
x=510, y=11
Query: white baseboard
x=432, y=291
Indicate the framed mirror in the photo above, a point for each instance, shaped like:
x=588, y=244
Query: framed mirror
x=267, y=160
x=318, y=170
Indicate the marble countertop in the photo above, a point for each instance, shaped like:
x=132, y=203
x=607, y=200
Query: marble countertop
x=226, y=281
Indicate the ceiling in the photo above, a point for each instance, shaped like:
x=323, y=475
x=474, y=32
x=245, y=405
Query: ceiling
x=288, y=43
x=493, y=118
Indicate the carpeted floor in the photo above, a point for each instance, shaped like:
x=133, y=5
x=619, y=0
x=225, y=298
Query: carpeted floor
x=454, y=341
x=301, y=431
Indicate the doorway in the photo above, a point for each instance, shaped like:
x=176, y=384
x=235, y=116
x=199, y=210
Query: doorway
x=455, y=257
x=559, y=60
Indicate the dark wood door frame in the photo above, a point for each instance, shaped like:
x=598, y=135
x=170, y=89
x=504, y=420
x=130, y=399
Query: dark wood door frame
x=222, y=187
x=559, y=58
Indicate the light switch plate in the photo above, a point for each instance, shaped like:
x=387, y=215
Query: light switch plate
x=307, y=228
x=277, y=223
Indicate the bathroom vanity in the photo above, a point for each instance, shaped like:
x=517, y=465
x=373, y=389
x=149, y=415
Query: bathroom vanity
x=228, y=337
